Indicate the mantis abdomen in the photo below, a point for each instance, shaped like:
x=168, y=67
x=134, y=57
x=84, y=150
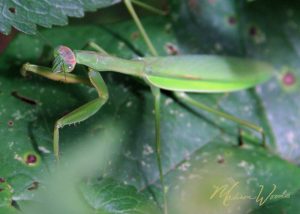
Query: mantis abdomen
x=191, y=73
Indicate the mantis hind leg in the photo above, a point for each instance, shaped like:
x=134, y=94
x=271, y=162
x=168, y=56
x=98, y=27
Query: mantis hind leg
x=84, y=112
x=97, y=47
x=187, y=99
x=138, y=23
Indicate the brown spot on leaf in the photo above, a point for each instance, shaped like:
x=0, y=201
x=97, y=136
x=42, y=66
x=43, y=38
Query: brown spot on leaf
x=252, y=31
x=232, y=20
x=135, y=35
x=10, y=123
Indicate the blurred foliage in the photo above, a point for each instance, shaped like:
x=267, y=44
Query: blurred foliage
x=25, y=15
x=192, y=170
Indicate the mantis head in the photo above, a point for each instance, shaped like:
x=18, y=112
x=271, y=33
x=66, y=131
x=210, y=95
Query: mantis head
x=64, y=61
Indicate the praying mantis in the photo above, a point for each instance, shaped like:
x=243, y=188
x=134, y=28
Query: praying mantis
x=179, y=74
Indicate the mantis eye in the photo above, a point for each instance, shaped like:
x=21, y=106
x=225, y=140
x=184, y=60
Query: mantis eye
x=65, y=60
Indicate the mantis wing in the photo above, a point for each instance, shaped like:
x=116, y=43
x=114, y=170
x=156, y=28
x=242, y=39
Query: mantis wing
x=205, y=73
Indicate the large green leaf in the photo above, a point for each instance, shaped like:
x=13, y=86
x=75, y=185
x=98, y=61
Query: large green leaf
x=227, y=179
x=27, y=127
x=25, y=15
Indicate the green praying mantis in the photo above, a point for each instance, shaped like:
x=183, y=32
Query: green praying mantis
x=179, y=74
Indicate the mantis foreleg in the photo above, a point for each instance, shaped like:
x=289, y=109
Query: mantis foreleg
x=49, y=74
x=84, y=112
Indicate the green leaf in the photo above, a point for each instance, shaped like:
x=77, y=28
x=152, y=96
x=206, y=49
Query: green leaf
x=108, y=196
x=104, y=197
x=69, y=187
x=25, y=15
x=220, y=178
x=280, y=206
x=184, y=130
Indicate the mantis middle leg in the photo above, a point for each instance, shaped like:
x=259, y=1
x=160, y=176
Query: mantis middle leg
x=155, y=92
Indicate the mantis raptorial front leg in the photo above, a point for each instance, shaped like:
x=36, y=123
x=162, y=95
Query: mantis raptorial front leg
x=49, y=74
x=156, y=93
x=80, y=114
x=84, y=112
x=155, y=90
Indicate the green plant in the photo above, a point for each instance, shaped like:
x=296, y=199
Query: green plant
x=231, y=28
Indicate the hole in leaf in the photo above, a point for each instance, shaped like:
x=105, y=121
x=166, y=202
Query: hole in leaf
x=33, y=186
x=12, y=10
x=23, y=98
x=15, y=205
